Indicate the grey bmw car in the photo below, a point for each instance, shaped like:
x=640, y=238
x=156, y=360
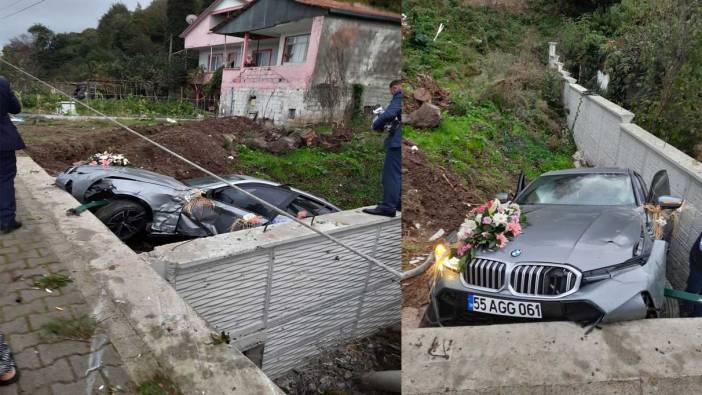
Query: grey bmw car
x=588, y=254
x=134, y=201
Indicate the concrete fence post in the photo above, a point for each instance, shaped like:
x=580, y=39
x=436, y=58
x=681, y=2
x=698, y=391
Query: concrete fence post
x=552, y=57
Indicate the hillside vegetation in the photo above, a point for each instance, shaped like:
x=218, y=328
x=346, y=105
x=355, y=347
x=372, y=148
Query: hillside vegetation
x=504, y=114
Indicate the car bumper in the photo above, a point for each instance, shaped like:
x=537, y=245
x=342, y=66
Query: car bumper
x=616, y=299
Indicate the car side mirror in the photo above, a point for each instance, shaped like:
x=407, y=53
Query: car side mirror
x=503, y=197
x=670, y=202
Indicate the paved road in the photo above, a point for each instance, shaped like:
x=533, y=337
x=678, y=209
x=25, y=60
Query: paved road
x=49, y=365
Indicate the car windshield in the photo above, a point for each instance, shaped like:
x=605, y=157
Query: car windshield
x=580, y=190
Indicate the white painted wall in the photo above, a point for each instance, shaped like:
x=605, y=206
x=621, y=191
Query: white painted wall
x=289, y=288
x=604, y=132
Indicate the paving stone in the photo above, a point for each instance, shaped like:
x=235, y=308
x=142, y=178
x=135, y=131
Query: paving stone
x=16, y=326
x=74, y=297
x=19, y=309
x=51, y=352
x=37, y=321
x=22, y=341
x=28, y=359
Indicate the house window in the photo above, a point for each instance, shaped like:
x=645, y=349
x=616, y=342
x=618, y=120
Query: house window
x=234, y=58
x=296, y=49
x=263, y=57
x=291, y=113
x=215, y=61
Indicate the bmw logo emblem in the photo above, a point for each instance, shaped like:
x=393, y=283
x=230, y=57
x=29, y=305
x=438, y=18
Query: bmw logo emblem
x=516, y=252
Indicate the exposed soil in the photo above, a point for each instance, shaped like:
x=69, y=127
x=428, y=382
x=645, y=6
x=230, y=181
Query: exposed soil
x=337, y=371
x=208, y=143
x=433, y=197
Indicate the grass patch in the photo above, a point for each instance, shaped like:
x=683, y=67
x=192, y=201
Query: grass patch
x=81, y=327
x=489, y=148
x=348, y=177
x=159, y=385
x=53, y=281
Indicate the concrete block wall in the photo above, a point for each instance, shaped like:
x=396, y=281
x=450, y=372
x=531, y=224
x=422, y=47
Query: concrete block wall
x=275, y=104
x=288, y=288
x=604, y=132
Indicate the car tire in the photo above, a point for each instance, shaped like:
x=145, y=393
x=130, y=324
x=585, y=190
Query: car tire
x=125, y=218
x=671, y=306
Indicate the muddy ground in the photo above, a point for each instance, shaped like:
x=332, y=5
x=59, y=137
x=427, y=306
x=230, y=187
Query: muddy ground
x=338, y=370
x=433, y=198
x=208, y=143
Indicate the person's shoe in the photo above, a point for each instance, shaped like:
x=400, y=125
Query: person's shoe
x=378, y=211
x=11, y=380
x=5, y=229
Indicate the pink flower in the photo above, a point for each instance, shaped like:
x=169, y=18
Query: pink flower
x=487, y=220
x=515, y=228
x=464, y=248
x=502, y=239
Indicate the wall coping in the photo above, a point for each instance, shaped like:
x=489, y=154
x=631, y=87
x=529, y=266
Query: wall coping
x=208, y=249
x=152, y=327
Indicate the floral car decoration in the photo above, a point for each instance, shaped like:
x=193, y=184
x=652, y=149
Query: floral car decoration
x=108, y=159
x=490, y=226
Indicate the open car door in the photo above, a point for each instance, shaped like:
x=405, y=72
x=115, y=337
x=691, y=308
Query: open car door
x=660, y=186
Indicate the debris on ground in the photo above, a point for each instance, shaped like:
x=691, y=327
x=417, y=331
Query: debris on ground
x=211, y=143
x=426, y=90
x=434, y=197
x=427, y=116
x=338, y=371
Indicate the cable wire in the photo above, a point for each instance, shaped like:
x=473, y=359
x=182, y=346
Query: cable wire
x=21, y=10
x=396, y=273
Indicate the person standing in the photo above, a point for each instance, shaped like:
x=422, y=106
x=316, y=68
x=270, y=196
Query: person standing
x=391, y=120
x=694, y=280
x=8, y=369
x=10, y=141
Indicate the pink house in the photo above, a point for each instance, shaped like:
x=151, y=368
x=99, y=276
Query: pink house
x=214, y=49
x=298, y=61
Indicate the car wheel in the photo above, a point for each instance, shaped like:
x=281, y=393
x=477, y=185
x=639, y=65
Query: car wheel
x=125, y=218
x=671, y=307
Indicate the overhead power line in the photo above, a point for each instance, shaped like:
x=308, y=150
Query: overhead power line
x=21, y=10
x=274, y=208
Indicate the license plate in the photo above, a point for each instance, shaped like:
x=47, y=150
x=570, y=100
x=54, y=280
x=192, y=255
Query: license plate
x=511, y=308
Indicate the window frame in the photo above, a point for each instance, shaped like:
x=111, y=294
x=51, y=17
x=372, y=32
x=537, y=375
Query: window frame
x=285, y=48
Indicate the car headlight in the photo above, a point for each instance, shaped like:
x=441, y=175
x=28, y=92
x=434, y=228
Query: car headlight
x=442, y=256
x=605, y=273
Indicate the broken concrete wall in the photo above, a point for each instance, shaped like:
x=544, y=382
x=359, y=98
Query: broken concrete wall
x=289, y=289
x=604, y=132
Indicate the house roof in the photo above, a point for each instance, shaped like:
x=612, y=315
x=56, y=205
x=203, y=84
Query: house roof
x=356, y=8
x=322, y=6
x=202, y=16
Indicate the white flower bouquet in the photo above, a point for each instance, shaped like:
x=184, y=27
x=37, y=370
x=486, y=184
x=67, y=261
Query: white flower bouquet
x=108, y=159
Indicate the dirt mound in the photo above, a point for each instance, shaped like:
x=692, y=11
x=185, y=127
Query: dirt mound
x=209, y=143
x=427, y=87
x=433, y=197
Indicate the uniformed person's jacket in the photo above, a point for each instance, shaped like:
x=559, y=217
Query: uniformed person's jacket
x=696, y=254
x=10, y=139
x=393, y=117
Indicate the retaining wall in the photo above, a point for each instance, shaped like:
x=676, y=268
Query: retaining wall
x=152, y=327
x=289, y=289
x=604, y=132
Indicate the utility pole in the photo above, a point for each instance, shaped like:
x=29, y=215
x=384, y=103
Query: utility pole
x=170, y=56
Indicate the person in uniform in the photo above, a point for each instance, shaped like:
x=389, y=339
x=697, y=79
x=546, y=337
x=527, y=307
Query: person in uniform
x=10, y=141
x=694, y=281
x=391, y=120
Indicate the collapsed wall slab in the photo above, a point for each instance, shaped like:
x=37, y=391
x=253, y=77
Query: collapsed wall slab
x=658, y=356
x=605, y=134
x=287, y=289
x=152, y=327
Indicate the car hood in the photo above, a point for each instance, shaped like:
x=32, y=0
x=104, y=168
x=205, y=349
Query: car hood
x=90, y=174
x=587, y=237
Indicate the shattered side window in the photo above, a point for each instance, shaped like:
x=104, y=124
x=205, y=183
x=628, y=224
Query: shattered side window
x=275, y=196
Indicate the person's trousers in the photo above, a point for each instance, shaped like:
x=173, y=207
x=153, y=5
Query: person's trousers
x=694, y=285
x=392, y=180
x=6, y=361
x=8, y=171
